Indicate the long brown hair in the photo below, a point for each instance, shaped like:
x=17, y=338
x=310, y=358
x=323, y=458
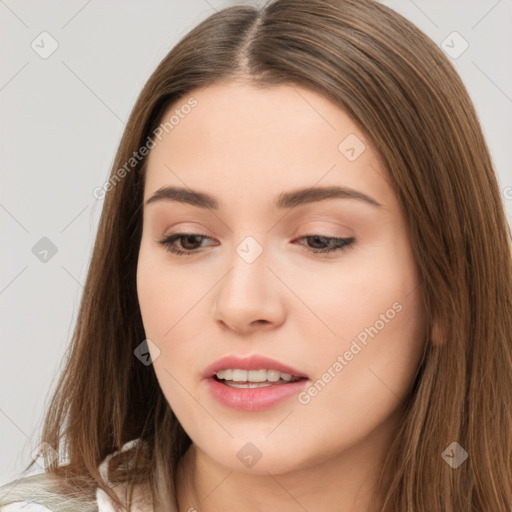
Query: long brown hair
x=410, y=102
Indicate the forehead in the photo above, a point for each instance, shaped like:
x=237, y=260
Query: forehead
x=248, y=143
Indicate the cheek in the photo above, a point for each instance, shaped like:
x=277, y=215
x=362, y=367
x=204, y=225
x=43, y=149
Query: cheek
x=351, y=295
x=378, y=317
x=165, y=293
x=366, y=376
x=168, y=315
x=173, y=311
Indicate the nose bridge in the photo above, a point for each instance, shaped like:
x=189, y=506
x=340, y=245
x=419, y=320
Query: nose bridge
x=250, y=249
x=247, y=293
x=248, y=267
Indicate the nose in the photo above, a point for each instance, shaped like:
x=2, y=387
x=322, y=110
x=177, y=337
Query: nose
x=249, y=297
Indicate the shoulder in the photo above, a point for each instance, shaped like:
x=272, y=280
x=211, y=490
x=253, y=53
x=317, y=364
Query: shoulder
x=36, y=493
x=142, y=496
x=27, y=493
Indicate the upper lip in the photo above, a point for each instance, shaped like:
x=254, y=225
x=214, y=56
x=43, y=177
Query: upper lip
x=254, y=362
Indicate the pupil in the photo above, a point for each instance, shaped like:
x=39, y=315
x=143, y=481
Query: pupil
x=187, y=239
x=318, y=240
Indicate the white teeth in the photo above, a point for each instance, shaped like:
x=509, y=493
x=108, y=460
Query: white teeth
x=256, y=376
x=239, y=375
x=273, y=375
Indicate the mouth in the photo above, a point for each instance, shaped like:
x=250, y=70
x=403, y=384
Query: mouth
x=239, y=378
x=254, y=368
x=253, y=383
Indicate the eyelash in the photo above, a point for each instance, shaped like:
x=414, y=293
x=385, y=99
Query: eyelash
x=340, y=244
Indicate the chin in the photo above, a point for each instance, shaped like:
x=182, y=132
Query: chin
x=261, y=456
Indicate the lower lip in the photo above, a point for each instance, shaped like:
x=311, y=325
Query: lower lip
x=253, y=399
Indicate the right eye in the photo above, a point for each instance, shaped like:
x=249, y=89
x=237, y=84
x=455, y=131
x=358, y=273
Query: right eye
x=189, y=238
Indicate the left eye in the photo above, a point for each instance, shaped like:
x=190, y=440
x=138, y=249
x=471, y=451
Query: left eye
x=191, y=243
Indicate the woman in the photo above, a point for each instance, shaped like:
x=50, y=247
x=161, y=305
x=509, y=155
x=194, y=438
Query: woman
x=300, y=293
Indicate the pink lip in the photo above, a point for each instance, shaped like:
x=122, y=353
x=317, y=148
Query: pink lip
x=254, y=362
x=252, y=399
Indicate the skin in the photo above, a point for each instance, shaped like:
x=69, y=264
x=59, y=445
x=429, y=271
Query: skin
x=245, y=145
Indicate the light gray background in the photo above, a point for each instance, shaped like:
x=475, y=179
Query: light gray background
x=61, y=121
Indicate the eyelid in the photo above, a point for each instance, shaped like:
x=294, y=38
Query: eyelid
x=310, y=228
x=318, y=225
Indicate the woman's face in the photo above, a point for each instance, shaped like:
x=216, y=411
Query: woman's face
x=349, y=321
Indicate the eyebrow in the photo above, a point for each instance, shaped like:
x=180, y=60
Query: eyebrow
x=284, y=200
